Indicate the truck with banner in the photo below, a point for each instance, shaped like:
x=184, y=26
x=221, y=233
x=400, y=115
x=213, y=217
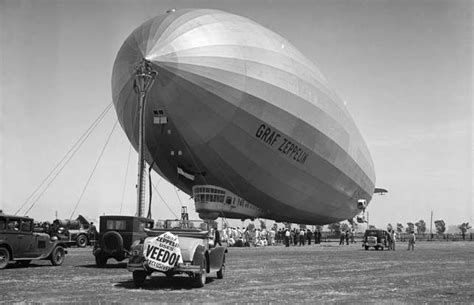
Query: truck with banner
x=178, y=247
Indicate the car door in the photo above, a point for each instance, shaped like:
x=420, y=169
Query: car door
x=14, y=236
x=29, y=240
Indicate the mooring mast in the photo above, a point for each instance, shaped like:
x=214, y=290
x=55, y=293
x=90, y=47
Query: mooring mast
x=144, y=78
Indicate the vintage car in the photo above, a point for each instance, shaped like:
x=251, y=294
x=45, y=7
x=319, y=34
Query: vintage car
x=376, y=238
x=116, y=235
x=19, y=243
x=197, y=256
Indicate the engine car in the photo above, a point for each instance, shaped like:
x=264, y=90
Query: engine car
x=181, y=247
x=19, y=243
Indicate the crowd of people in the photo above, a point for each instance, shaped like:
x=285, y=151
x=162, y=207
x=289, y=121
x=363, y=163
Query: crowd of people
x=259, y=237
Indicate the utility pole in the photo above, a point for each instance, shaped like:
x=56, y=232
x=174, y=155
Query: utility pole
x=431, y=225
x=144, y=78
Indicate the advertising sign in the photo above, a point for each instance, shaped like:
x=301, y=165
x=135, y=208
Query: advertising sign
x=162, y=253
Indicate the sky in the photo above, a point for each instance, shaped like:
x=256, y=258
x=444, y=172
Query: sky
x=404, y=69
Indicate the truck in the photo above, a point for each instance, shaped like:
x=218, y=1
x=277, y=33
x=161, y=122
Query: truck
x=73, y=231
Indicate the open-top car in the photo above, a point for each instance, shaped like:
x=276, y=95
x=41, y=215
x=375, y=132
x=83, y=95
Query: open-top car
x=376, y=238
x=179, y=247
x=19, y=242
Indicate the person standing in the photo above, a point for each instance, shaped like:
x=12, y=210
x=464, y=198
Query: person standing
x=317, y=238
x=393, y=239
x=309, y=236
x=287, y=238
x=301, y=237
x=342, y=238
x=217, y=237
x=411, y=241
x=92, y=234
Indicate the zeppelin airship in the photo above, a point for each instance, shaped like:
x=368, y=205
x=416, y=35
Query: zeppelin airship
x=237, y=109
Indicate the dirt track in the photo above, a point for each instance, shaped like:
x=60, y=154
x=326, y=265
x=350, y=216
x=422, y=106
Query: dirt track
x=437, y=271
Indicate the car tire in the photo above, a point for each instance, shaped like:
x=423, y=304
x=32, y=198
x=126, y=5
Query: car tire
x=366, y=248
x=200, y=278
x=57, y=256
x=81, y=241
x=220, y=273
x=139, y=277
x=101, y=261
x=4, y=257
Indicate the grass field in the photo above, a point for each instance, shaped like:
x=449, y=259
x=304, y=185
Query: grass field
x=434, y=272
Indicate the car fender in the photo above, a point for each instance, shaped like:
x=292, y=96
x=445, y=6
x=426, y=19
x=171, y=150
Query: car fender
x=216, y=258
x=200, y=253
x=49, y=249
x=189, y=246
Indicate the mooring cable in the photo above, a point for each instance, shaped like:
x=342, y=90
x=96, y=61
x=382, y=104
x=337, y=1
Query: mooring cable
x=71, y=152
x=93, y=170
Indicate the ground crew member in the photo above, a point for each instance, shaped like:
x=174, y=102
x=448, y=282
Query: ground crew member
x=287, y=238
x=342, y=237
x=302, y=237
x=411, y=241
x=309, y=236
x=393, y=238
x=217, y=237
x=92, y=234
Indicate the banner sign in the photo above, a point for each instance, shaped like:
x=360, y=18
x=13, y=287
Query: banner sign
x=162, y=253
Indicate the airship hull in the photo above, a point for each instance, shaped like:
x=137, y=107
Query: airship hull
x=236, y=106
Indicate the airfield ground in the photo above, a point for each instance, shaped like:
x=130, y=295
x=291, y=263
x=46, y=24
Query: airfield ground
x=434, y=272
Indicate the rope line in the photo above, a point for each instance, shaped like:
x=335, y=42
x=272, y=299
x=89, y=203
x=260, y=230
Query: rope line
x=164, y=201
x=72, y=151
x=93, y=170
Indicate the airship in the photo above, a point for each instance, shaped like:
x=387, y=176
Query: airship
x=237, y=114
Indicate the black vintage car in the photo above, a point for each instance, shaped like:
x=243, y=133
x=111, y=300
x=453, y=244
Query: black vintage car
x=116, y=235
x=18, y=242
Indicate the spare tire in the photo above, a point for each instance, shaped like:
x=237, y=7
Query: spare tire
x=112, y=242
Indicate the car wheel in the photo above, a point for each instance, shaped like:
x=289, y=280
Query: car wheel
x=366, y=248
x=4, y=257
x=220, y=273
x=100, y=261
x=81, y=241
x=24, y=263
x=57, y=256
x=139, y=277
x=200, y=278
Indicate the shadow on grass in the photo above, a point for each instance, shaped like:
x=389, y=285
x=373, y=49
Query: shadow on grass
x=162, y=282
x=17, y=265
x=122, y=265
